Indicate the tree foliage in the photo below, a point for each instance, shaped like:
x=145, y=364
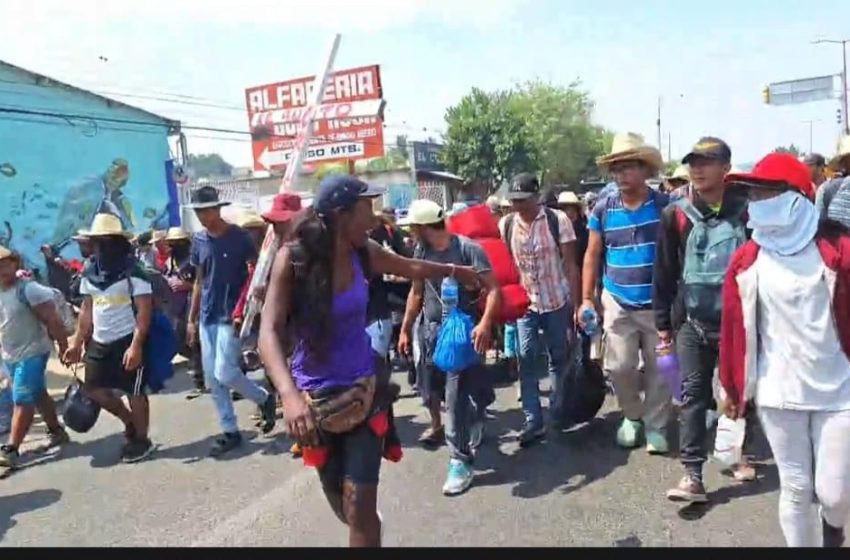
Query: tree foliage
x=537, y=126
x=792, y=149
x=209, y=165
x=487, y=139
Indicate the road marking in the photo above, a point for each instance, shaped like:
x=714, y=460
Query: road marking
x=289, y=493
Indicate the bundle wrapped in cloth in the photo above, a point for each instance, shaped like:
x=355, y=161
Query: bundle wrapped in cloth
x=481, y=226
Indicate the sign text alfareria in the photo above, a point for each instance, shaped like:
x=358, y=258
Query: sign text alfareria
x=347, y=125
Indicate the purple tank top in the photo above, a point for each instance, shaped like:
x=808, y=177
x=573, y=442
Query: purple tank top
x=348, y=353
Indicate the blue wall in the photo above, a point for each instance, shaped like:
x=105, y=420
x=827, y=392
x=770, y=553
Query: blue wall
x=56, y=172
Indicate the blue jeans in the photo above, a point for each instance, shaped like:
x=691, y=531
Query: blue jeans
x=220, y=352
x=555, y=327
x=468, y=394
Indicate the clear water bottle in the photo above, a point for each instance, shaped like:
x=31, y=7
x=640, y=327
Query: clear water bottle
x=590, y=320
x=450, y=294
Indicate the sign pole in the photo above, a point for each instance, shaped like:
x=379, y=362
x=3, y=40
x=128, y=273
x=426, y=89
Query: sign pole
x=293, y=168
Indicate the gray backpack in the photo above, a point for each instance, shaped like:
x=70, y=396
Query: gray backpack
x=708, y=252
x=63, y=308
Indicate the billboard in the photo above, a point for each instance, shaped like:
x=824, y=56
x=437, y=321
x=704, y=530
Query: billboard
x=348, y=125
x=426, y=156
x=795, y=92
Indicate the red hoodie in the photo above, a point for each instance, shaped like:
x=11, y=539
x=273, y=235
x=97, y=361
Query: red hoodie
x=739, y=327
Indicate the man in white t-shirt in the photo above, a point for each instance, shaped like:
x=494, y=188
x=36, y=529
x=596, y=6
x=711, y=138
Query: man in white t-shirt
x=29, y=323
x=113, y=325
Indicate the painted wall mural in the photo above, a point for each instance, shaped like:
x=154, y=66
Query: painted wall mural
x=56, y=173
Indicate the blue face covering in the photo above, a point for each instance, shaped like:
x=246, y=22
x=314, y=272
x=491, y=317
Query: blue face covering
x=784, y=224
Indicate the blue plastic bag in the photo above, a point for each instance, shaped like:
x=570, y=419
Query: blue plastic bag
x=160, y=348
x=454, y=351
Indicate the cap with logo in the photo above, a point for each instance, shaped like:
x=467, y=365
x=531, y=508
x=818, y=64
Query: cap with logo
x=341, y=192
x=422, y=213
x=523, y=187
x=709, y=147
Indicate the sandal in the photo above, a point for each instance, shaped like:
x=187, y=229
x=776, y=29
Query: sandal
x=432, y=437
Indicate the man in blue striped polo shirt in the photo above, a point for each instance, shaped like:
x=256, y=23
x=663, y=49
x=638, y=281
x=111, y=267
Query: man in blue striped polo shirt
x=623, y=229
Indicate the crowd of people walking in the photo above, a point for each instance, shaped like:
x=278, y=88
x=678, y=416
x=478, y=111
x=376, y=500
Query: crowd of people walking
x=742, y=277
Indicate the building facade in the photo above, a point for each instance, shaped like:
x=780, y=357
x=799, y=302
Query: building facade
x=67, y=153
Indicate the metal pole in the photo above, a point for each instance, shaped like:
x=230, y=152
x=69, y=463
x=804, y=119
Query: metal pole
x=658, y=123
x=844, y=86
x=844, y=103
x=809, y=122
x=669, y=146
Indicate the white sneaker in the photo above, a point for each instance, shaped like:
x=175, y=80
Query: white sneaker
x=459, y=479
x=381, y=520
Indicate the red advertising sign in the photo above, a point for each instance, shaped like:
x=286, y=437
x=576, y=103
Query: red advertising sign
x=348, y=125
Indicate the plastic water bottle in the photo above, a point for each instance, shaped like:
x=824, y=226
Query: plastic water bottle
x=729, y=442
x=667, y=362
x=450, y=294
x=590, y=320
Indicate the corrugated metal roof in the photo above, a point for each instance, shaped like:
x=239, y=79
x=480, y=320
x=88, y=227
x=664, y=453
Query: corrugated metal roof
x=48, y=81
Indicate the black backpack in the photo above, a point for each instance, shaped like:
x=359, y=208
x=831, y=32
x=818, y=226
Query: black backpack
x=80, y=411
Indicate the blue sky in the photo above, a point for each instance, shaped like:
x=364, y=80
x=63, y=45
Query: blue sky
x=708, y=61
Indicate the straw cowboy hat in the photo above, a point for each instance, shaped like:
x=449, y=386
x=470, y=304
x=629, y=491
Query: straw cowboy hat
x=681, y=173
x=175, y=234
x=106, y=225
x=249, y=219
x=630, y=146
x=568, y=197
x=843, y=152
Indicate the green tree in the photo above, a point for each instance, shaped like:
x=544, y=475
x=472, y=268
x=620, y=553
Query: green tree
x=559, y=122
x=486, y=138
x=209, y=165
x=792, y=149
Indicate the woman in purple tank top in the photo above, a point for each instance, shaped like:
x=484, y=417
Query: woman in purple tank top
x=316, y=306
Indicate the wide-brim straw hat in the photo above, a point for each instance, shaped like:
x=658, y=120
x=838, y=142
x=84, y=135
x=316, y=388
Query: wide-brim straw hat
x=630, y=146
x=682, y=173
x=106, y=225
x=568, y=197
x=175, y=234
x=249, y=219
x=843, y=151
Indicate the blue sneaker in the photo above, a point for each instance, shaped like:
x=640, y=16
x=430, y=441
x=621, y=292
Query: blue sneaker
x=459, y=479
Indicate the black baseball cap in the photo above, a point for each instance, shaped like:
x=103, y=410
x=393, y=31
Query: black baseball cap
x=709, y=147
x=341, y=192
x=815, y=160
x=523, y=186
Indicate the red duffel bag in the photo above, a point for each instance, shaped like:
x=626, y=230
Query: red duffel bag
x=475, y=223
x=478, y=224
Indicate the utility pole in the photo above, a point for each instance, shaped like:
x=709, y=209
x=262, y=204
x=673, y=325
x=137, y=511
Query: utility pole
x=658, y=123
x=843, y=43
x=669, y=146
x=811, y=127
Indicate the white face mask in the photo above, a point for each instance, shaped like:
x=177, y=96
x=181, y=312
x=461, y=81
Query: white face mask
x=784, y=224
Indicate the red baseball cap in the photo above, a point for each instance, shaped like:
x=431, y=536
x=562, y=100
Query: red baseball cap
x=778, y=170
x=285, y=206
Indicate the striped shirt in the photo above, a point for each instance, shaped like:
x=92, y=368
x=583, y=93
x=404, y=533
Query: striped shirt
x=538, y=257
x=629, y=239
x=833, y=200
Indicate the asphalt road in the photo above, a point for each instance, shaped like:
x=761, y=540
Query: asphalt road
x=577, y=489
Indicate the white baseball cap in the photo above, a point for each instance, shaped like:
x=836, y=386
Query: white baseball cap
x=568, y=197
x=422, y=213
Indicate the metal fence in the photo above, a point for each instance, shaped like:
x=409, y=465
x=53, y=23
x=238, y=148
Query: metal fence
x=434, y=191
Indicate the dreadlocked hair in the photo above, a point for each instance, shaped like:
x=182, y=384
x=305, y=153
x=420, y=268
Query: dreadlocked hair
x=312, y=253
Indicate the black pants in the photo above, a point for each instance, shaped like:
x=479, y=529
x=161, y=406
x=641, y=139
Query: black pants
x=698, y=353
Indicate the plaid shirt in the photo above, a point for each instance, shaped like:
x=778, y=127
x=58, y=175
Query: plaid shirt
x=538, y=258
